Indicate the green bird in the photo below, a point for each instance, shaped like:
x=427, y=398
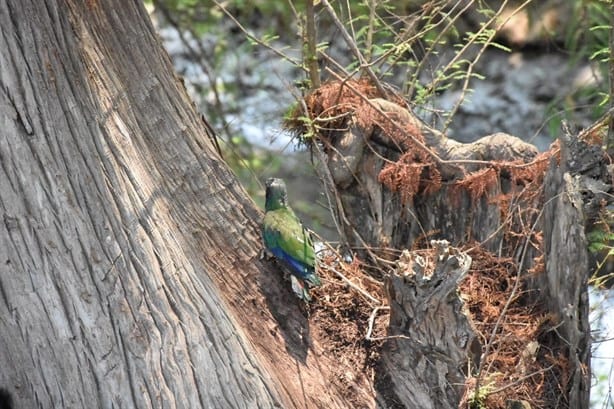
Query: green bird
x=285, y=237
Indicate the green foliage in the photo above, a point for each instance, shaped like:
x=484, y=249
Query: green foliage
x=599, y=240
x=601, y=244
x=477, y=400
x=204, y=16
x=590, y=99
x=399, y=40
x=588, y=31
x=586, y=38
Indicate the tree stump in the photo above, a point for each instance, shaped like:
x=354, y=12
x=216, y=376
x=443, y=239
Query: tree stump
x=399, y=183
x=431, y=337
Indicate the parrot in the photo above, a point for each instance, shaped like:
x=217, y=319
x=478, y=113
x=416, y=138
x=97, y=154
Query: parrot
x=287, y=240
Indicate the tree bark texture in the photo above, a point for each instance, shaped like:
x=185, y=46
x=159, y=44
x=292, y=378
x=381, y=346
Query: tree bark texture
x=129, y=271
x=376, y=215
x=428, y=324
x=575, y=192
x=431, y=337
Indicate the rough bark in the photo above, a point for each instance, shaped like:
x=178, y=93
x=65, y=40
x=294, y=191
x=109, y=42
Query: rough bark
x=575, y=190
x=432, y=339
x=430, y=331
x=377, y=216
x=129, y=273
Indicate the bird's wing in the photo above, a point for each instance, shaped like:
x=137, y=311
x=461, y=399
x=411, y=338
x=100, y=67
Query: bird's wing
x=284, y=231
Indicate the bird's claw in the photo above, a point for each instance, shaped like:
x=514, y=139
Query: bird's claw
x=265, y=254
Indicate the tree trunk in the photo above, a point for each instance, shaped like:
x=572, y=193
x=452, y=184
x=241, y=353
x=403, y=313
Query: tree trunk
x=129, y=273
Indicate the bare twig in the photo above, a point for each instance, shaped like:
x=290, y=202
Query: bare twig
x=511, y=297
x=336, y=205
x=609, y=143
x=346, y=280
x=311, y=57
x=519, y=380
x=353, y=47
x=371, y=322
x=599, y=123
x=352, y=285
x=256, y=40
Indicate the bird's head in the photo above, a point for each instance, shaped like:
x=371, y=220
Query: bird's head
x=276, y=196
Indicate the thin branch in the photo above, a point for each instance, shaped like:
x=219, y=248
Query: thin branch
x=609, y=143
x=336, y=205
x=353, y=47
x=256, y=40
x=604, y=120
x=368, y=337
x=370, y=30
x=472, y=64
x=512, y=295
x=310, y=39
x=346, y=280
x=519, y=380
x=354, y=286
x=424, y=60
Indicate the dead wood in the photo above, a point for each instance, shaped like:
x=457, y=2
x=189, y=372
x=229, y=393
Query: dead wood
x=523, y=336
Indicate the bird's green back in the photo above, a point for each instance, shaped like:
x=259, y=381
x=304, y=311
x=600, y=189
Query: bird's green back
x=284, y=230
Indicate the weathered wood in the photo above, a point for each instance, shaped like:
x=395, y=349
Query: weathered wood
x=129, y=271
x=569, y=187
x=378, y=217
x=432, y=343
